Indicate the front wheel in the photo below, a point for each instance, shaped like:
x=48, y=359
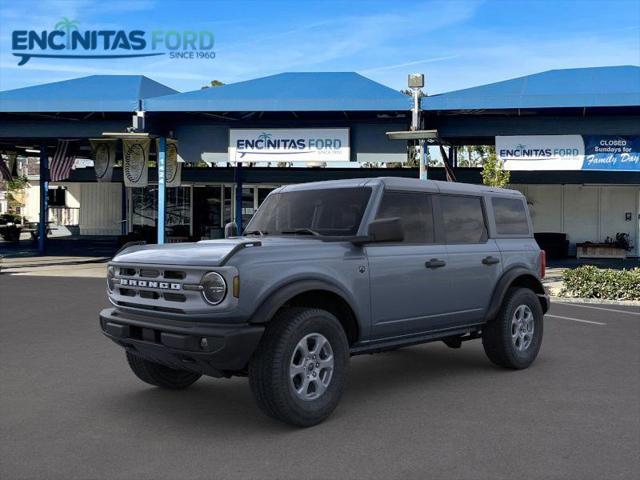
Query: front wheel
x=159, y=375
x=514, y=337
x=298, y=372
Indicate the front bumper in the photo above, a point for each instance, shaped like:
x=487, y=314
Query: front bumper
x=210, y=349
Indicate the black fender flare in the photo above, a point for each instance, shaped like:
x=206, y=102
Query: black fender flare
x=275, y=300
x=506, y=280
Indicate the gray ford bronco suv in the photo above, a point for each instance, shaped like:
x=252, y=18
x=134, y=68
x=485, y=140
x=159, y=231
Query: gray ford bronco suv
x=327, y=270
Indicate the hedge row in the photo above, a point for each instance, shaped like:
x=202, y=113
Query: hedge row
x=592, y=282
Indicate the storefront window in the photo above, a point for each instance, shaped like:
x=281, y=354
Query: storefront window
x=228, y=201
x=207, y=212
x=178, y=206
x=144, y=206
x=247, y=205
x=263, y=192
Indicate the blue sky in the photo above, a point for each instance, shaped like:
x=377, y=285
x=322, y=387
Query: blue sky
x=457, y=44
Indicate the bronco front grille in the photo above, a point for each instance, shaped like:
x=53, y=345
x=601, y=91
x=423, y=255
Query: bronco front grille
x=155, y=288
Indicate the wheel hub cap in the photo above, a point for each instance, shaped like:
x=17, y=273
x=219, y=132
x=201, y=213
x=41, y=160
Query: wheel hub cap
x=522, y=327
x=311, y=366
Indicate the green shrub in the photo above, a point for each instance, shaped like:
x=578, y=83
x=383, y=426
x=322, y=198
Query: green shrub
x=592, y=282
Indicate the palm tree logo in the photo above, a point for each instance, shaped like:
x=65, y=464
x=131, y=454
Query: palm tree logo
x=264, y=137
x=67, y=25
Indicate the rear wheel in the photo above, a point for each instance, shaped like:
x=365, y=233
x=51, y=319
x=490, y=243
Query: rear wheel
x=514, y=337
x=298, y=372
x=159, y=375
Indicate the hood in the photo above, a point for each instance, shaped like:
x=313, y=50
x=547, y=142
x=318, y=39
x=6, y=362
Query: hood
x=204, y=253
x=209, y=253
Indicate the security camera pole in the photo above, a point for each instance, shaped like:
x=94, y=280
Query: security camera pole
x=416, y=83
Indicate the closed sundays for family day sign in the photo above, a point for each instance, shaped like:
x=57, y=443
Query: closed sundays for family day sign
x=569, y=152
x=289, y=145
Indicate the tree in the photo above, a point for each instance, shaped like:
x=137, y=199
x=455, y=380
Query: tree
x=67, y=25
x=213, y=83
x=15, y=193
x=474, y=155
x=493, y=172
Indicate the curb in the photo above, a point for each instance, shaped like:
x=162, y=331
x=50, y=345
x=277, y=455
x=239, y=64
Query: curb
x=597, y=301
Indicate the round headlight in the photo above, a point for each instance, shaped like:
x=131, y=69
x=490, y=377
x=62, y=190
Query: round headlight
x=214, y=288
x=111, y=272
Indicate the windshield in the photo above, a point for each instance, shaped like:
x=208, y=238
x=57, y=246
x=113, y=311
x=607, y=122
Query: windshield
x=327, y=212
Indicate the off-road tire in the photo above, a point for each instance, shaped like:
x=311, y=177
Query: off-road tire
x=496, y=335
x=160, y=375
x=269, y=375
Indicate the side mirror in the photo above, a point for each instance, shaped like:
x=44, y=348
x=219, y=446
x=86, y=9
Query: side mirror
x=384, y=230
x=230, y=230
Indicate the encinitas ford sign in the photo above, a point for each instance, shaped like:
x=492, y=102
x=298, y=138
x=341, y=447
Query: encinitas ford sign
x=541, y=152
x=289, y=145
x=569, y=152
x=67, y=41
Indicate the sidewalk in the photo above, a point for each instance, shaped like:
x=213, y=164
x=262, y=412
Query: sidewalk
x=55, y=266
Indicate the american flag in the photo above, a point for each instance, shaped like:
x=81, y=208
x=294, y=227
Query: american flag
x=62, y=161
x=5, y=172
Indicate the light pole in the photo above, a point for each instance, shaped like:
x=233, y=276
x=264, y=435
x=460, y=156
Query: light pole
x=415, y=82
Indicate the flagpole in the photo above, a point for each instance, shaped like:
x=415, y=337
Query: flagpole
x=44, y=200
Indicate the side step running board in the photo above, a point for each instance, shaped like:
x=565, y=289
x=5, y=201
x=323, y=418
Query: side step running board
x=382, y=345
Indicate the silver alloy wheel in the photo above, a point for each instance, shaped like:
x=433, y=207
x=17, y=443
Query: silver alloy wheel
x=311, y=366
x=522, y=327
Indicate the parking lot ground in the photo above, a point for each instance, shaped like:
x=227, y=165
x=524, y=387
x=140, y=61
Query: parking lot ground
x=71, y=409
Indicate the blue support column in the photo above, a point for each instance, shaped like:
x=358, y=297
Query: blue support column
x=44, y=200
x=238, y=179
x=162, y=156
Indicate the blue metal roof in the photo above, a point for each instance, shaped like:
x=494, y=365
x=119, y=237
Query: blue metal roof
x=96, y=93
x=577, y=87
x=287, y=92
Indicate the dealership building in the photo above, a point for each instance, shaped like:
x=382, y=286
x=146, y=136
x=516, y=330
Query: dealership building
x=571, y=139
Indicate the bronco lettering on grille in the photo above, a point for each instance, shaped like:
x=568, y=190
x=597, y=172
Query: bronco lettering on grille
x=129, y=282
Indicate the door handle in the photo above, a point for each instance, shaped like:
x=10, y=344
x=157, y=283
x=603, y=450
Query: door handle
x=435, y=263
x=490, y=260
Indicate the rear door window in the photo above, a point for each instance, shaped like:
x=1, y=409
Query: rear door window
x=415, y=213
x=463, y=219
x=510, y=215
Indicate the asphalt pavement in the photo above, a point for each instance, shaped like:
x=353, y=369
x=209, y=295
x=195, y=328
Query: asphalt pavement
x=71, y=409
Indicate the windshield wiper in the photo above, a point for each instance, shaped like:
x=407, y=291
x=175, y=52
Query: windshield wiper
x=256, y=232
x=302, y=231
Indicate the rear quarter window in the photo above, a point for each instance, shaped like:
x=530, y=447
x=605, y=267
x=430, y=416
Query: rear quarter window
x=510, y=215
